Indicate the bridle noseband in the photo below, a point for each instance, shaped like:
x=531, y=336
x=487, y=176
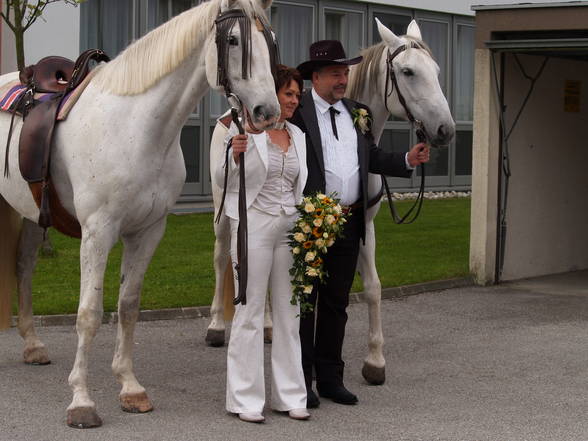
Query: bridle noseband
x=391, y=79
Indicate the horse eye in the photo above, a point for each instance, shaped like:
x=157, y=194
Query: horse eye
x=233, y=40
x=408, y=72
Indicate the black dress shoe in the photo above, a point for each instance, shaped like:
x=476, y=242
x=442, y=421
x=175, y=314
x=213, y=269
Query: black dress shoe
x=312, y=401
x=337, y=393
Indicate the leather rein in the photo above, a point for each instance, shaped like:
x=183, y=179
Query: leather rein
x=421, y=133
x=224, y=24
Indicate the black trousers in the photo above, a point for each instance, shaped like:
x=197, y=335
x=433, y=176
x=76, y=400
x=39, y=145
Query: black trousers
x=322, y=331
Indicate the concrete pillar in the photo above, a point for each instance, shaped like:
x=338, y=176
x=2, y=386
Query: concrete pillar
x=485, y=171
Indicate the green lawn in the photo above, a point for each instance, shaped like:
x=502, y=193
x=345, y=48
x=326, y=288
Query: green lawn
x=181, y=273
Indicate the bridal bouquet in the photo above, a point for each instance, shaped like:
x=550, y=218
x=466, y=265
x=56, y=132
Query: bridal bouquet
x=320, y=223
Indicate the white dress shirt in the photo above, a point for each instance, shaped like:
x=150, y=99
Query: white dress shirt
x=339, y=155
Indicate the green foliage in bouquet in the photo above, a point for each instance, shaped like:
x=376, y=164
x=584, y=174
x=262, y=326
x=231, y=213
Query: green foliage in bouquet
x=319, y=224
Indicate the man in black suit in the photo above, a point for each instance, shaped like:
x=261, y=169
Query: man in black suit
x=340, y=153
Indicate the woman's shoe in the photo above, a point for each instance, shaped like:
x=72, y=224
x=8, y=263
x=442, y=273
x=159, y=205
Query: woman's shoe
x=299, y=414
x=252, y=417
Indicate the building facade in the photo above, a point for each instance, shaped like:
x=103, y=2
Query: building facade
x=448, y=29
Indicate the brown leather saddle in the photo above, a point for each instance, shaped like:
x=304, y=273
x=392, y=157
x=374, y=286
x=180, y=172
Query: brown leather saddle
x=59, y=76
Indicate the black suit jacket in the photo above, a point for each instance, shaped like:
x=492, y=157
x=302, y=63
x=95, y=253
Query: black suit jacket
x=372, y=159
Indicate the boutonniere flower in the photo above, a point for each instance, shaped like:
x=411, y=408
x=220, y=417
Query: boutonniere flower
x=361, y=119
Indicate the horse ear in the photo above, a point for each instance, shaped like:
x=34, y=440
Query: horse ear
x=414, y=31
x=388, y=37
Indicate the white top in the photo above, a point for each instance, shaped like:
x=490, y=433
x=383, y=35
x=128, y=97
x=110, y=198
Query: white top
x=339, y=155
x=277, y=192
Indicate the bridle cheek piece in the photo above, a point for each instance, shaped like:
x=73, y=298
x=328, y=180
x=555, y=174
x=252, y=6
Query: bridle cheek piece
x=421, y=132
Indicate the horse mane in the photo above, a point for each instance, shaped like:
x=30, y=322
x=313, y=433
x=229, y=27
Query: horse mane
x=365, y=73
x=143, y=63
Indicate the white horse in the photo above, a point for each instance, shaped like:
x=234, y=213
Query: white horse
x=118, y=168
x=417, y=75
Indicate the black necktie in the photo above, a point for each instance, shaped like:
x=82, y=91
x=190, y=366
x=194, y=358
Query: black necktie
x=334, y=112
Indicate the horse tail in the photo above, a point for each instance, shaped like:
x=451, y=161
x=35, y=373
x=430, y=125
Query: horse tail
x=10, y=225
x=228, y=293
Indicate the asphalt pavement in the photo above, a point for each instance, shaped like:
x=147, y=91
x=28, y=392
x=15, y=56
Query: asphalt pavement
x=507, y=362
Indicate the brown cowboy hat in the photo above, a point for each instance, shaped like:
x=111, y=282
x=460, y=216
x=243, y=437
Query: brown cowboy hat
x=325, y=53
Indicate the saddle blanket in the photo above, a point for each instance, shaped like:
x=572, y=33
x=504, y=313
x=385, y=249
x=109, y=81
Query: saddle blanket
x=11, y=92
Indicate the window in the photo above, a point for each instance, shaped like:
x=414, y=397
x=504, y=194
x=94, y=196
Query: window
x=294, y=28
x=107, y=25
x=436, y=34
x=464, y=73
x=347, y=27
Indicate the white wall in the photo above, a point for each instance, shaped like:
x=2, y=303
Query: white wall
x=58, y=34
x=547, y=212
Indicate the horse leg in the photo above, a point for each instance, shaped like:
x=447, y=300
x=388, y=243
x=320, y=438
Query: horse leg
x=267, y=320
x=374, y=366
x=215, y=334
x=31, y=237
x=138, y=251
x=97, y=241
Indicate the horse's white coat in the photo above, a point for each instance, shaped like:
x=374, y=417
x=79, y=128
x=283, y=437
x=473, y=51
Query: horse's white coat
x=428, y=104
x=118, y=167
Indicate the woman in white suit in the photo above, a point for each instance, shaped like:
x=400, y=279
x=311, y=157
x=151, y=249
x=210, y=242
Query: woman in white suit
x=275, y=175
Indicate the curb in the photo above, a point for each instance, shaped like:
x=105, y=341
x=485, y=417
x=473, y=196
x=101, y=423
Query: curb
x=194, y=312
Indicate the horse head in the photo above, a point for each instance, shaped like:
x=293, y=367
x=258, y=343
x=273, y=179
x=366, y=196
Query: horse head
x=241, y=60
x=414, y=80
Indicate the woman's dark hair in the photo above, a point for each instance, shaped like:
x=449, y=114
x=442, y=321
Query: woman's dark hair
x=285, y=75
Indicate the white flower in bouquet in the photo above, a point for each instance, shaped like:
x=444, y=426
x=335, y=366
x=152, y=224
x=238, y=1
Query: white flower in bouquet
x=330, y=219
x=317, y=222
x=299, y=237
x=321, y=196
x=306, y=228
x=320, y=242
x=307, y=289
x=309, y=256
x=337, y=209
x=330, y=242
x=312, y=272
x=308, y=207
x=296, y=250
x=326, y=235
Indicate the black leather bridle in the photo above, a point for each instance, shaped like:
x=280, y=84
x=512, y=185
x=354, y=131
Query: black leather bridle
x=421, y=132
x=224, y=24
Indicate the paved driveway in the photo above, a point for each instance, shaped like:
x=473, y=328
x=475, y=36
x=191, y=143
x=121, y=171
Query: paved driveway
x=476, y=363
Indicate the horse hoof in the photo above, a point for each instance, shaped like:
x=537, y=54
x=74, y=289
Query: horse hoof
x=267, y=335
x=83, y=418
x=374, y=375
x=215, y=338
x=36, y=356
x=136, y=403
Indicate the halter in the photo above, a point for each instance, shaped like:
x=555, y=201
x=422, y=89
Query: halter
x=224, y=23
x=421, y=132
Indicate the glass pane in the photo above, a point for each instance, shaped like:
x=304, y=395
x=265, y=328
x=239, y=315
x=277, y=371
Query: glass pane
x=464, y=74
x=347, y=27
x=163, y=11
x=396, y=23
x=109, y=25
x=436, y=34
x=179, y=6
x=218, y=104
x=294, y=28
x=190, y=142
x=438, y=164
x=463, y=152
x=395, y=140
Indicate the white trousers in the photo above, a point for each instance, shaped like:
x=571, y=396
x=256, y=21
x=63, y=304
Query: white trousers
x=269, y=262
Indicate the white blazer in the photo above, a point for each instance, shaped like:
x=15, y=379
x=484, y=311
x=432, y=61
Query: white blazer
x=256, y=162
